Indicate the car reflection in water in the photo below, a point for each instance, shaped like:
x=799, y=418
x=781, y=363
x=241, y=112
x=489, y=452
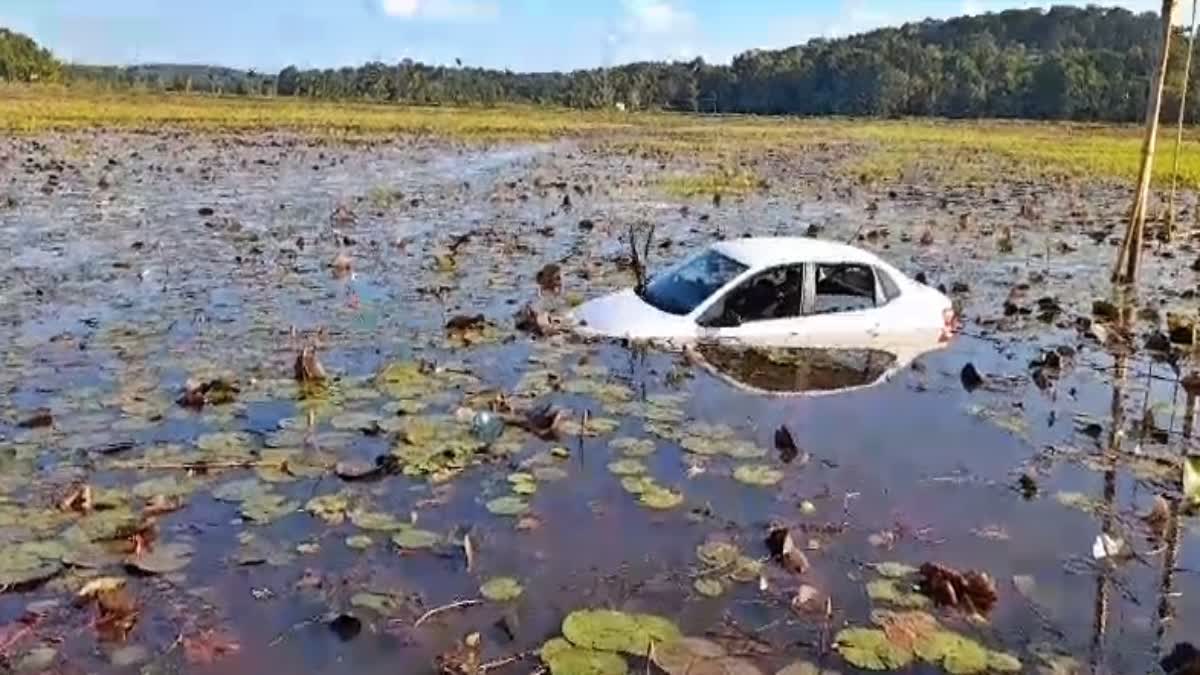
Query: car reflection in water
x=804, y=371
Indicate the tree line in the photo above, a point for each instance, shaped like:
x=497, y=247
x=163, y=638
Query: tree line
x=1063, y=63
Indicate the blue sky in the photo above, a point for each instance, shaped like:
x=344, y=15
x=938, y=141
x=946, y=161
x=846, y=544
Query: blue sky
x=517, y=34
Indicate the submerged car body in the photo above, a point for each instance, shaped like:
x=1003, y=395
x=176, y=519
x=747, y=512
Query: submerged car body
x=776, y=292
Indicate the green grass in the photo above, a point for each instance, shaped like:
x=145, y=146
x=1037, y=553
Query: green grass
x=934, y=150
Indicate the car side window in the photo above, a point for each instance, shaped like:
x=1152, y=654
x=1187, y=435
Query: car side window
x=777, y=293
x=890, y=290
x=844, y=288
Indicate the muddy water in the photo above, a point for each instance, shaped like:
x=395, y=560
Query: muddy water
x=149, y=260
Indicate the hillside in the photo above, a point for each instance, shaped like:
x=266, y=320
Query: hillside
x=1065, y=63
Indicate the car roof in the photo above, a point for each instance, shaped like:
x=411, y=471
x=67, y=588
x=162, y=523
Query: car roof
x=757, y=252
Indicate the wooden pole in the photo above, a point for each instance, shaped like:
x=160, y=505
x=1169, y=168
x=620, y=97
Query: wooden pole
x=1131, y=248
x=1183, y=97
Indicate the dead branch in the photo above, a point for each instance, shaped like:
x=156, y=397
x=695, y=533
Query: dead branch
x=640, y=235
x=458, y=604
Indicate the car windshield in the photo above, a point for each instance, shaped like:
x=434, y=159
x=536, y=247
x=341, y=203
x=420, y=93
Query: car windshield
x=682, y=288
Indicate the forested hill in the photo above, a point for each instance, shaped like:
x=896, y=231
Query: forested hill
x=1062, y=63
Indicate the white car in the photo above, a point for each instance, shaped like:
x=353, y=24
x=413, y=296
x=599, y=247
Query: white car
x=777, y=292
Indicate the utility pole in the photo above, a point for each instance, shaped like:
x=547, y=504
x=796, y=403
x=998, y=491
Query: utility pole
x=1130, y=253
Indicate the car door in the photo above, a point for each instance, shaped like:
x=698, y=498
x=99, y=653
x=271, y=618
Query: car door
x=765, y=309
x=843, y=306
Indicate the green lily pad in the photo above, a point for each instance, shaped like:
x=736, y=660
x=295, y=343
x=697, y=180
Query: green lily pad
x=239, y=490
x=524, y=489
x=359, y=542
x=894, y=570
x=891, y=592
x=508, y=506
x=746, y=570
x=416, y=539
x=267, y=508
x=660, y=498
x=717, y=553
x=633, y=447
x=355, y=421
x=376, y=521
x=501, y=589
x=167, y=486
x=709, y=587
x=627, y=467
x=331, y=508
x=612, y=631
x=22, y=565
x=229, y=445
x=162, y=559
x=743, y=450
x=549, y=474
x=1003, y=663
x=957, y=654
x=694, y=656
x=563, y=658
x=870, y=649
x=758, y=474
x=637, y=484
x=380, y=603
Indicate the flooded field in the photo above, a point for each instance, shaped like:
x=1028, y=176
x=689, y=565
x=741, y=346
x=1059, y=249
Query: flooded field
x=267, y=407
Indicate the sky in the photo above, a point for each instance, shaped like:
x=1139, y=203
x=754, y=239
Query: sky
x=525, y=35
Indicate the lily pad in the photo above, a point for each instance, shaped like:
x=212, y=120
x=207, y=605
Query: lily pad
x=416, y=539
x=359, y=542
x=709, y=587
x=508, y=506
x=355, y=421
x=22, y=565
x=637, y=484
x=627, y=467
x=1001, y=662
x=563, y=658
x=633, y=447
x=660, y=498
x=501, y=589
x=268, y=507
x=718, y=553
x=870, y=649
x=612, y=631
x=162, y=559
x=330, y=508
x=758, y=474
x=694, y=656
x=549, y=474
x=894, y=570
x=380, y=603
x=805, y=668
x=376, y=521
x=746, y=570
x=891, y=592
x=239, y=490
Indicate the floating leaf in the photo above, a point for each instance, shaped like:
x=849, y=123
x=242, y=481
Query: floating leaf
x=508, y=506
x=563, y=658
x=894, y=570
x=694, y=656
x=627, y=467
x=1003, y=663
x=21, y=565
x=718, y=553
x=355, y=421
x=709, y=587
x=501, y=589
x=660, y=498
x=805, y=668
x=637, y=484
x=758, y=474
x=330, y=508
x=238, y=490
x=549, y=474
x=416, y=539
x=870, y=649
x=746, y=570
x=1191, y=478
x=889, y=591
x=612, y=631
x=267, y=508
x=359, y=542
x=633, y=447
x=162, y=559
x=373, y=520
x=380, y=603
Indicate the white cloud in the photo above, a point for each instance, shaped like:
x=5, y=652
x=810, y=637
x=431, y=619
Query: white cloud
x=652, y=30
x=441, y=10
